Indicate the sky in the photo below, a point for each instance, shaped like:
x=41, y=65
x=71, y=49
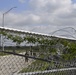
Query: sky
x=44, y=16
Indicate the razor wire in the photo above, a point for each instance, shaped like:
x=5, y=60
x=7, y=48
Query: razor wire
x=69, y=32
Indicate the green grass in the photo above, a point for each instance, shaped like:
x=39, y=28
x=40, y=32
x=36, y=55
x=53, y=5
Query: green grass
x=35, y=66
x=17, y=51
x=3, y=54
x=39, y=65
x=42, y=66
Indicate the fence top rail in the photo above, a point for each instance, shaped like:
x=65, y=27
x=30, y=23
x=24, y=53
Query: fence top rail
x=47, y=71
x=24, y=32
x=34, y=33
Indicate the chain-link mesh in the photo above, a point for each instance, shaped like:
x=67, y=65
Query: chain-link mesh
x=9, y=64
x=19, y=65
x=65, y=71
x=26, y=54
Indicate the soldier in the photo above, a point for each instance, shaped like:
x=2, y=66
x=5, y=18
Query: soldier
x=26, y=56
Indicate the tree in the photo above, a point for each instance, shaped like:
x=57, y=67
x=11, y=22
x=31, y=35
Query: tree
x=70, y=53
x=30, y=40
x=17, y=39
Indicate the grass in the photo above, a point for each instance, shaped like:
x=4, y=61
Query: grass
x=17, y=51
x=39, y=65
x=3, y=54
x=42, y=66
x=14, y=49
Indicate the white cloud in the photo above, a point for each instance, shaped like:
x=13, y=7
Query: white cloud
x=49, y=5
x=22, y=1
x=47, y=14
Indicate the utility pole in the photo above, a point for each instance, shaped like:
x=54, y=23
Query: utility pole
x=3, y=16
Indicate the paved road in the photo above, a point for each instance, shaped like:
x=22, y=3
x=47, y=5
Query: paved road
x=11, y=64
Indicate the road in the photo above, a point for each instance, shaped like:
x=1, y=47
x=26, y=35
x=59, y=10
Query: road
x=11, y=64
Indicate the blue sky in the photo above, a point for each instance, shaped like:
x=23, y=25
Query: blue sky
x=74, y=0
x=41, y=15
x=7, y=4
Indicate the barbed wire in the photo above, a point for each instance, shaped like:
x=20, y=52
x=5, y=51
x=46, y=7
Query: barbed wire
x=64, y=30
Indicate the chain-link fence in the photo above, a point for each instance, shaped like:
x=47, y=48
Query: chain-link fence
x=19, y=64
x=65, y=71
x=22, y=53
